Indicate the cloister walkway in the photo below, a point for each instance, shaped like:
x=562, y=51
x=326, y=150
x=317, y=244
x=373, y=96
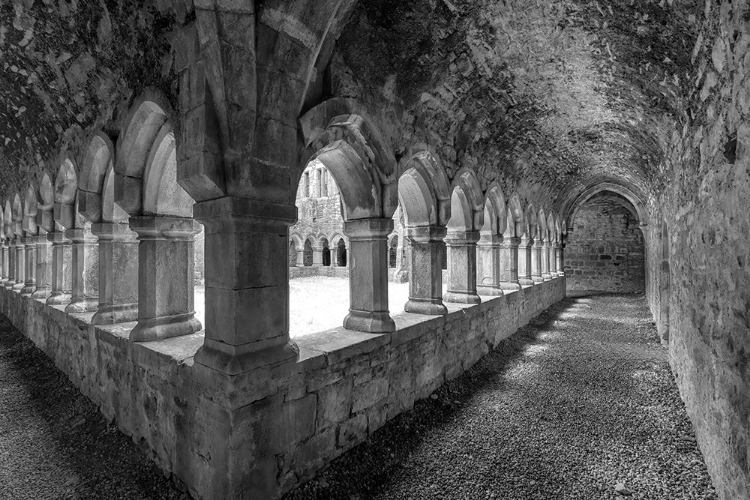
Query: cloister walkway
x=568, y=407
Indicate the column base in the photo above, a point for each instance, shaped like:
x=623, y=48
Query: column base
x=489, y=290
x=461, y=297
x=9, y=285
x=537, y=279
x=28, y=289
x=82, y=305
x=235, y=360
x=111, y=314
x=58, y=299
x=525, y=282
x=369, y=322
x=510, y=285
x=430, y=307
x=151, y=329
x=41, y=293
x=546, y=277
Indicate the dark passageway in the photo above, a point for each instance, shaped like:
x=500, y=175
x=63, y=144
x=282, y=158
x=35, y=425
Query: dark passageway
x=573, y=404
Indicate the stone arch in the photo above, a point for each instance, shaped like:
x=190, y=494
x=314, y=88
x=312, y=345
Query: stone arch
x=532, y=222
x=664, y=284
x=307, y=252
x=30, y=207
x=341, y=254
x=571, y=209
x=424, y=191
x=162, y=195
x=292, y=254
x=393, y=251
x=541, y=225
x=550, y=228
x=66, y=190
x=8, y=220
x=17, y=211
x=138, y=135
x=467, y=202
x=97, y=161
x=326, y=251
x=516, y=225
x=45, y=203
x=495, y=214
x=111, y=211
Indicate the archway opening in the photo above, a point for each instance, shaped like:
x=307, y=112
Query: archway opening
x=392, y=251
x=326, y=253
x=341, y=254
x=308, y=254
x=605, y=249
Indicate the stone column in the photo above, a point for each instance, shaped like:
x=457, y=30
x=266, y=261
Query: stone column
x=317, y=256
x=85, y=271
x=545, y=261
x=553, y=260
x=247, y=286
x=488, y=264
x=368, y=275
x=20, y=264
x=61, y=269
x=10, y=255
x=29, y=284
x=462, y=267
x=536, y=261
x=166, y=271
x=301, y=257
x=118, y=273
x=4, y=261
x=525, y=260
x=425, y=271
x=560, y=260
x=43, y=266
x=509, y=264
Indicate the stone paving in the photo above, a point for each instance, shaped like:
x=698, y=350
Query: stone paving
x=581, y=404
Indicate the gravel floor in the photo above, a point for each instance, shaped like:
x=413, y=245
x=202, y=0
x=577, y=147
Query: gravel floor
x=573, y=404
x=54, y=444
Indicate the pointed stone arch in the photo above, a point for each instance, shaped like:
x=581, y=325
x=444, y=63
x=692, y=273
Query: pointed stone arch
x=495, y=211
x=97, y=161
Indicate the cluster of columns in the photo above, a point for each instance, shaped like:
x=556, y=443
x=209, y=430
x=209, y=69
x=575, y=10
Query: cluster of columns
x=317, y=256
x=138, y=271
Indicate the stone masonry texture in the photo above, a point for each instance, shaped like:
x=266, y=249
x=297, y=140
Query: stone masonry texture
x=605, y=250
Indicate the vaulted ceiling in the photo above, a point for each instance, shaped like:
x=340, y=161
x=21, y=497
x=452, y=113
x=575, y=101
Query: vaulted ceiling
x=548, y=97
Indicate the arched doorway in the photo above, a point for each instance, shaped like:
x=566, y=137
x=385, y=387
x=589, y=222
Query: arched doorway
x=307, y=254
x=664, y=285
x=392, y=251
x=292, y=257
x=326, y=253
x=341, y=253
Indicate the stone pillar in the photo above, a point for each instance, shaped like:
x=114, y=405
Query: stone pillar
x=247, y=286
x=20, y=278
x=29, y=284
x=317, y=256
x=488, y=264
x=525, y=260
x=118, y=273
x=166, y=275
x=545, y=261
x=85, y=271
x=301, y=257
x=425, y=270
x=509, y=264
x=368, y=275
x=61, y=269
x=43, y=266
x=536, y=261
x=553, y=260
x=11, y=259
x=462, y=267
x=560, y=260
x=4, y=261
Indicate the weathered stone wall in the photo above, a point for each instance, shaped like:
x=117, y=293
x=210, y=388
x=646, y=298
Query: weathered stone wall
x=605, y=251
x=344, y=386
x=705, y=207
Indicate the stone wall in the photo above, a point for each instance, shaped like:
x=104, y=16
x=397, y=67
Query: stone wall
x=605, y=251
x=705, y=209
x=291, y=420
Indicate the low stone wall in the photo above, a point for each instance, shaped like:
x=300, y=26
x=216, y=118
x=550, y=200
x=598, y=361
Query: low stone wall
x=310, y=271
x=259, y=434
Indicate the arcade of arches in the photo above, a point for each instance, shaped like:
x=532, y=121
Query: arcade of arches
x=490, y=154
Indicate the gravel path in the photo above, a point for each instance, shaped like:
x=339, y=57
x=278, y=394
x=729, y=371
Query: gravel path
x=573, y=404
x=54, y=444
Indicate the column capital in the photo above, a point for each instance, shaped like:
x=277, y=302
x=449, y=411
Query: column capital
x=368, y=229
x=113, y=231
x=156, y=227
x=79, y=235
x=232, y=214
x=57, y=237
x=462, y=237
x=426, y=234
x=490, y=240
